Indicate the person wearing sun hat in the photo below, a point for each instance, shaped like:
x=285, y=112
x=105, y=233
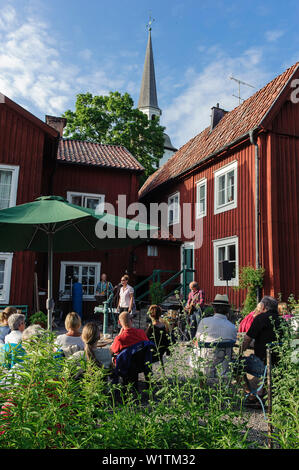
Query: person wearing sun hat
x=215, y=329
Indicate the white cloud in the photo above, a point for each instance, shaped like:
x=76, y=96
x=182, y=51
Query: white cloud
x=34, y=70
x=273, y=35
x=189, y=113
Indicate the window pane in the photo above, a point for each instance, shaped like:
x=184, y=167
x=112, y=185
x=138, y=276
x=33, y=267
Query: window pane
x=91, y=270
x=221, y=253
x=77, y=200
x=230, y=186
x=221, y=190
x=202, y=199
x=231, y=252
x=5, y=188
x=91, y=202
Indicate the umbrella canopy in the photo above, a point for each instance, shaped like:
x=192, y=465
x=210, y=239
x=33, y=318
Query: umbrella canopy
x=27, y=226
x=52, y=224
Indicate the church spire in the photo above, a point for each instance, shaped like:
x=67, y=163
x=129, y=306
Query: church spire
x=148, y=102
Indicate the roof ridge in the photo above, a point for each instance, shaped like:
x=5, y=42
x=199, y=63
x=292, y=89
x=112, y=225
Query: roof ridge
x=234, y=124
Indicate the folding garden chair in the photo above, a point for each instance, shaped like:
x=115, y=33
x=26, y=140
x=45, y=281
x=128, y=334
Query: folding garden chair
x=254, y=391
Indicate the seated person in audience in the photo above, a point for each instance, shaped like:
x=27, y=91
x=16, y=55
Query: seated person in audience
x=72, y=339
x=28, y=334
x=127, y=335
x=4, y=316
x=245, y=324
x=158, y=333
x=16, y=323
x=265, y=329
x=100, y=356
x=215, y=329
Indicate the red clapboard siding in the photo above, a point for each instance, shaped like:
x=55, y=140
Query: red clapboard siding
x=22, y=143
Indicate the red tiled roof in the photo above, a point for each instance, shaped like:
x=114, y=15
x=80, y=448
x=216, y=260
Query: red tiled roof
x=88, y=153
x=234, y=124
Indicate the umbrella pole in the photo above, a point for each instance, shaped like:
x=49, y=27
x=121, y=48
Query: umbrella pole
x=50, y=300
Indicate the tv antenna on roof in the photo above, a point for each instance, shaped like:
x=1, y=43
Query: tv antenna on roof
x=239, y=86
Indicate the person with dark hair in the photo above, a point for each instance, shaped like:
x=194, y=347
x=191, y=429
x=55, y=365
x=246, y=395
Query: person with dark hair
x=4, y=328
x=126, y=296
x=158, y=333
x=104, y=289
x=265, y=329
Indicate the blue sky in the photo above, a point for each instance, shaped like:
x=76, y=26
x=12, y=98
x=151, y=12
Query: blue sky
x=50, y=51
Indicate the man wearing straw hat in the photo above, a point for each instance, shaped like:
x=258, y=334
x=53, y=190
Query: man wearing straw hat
x=214, y=361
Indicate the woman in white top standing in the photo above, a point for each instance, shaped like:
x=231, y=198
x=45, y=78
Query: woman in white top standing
x=126, y=296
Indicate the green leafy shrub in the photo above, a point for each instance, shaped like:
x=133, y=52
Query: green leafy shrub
x=157, y=293
x=250, y=279
x=38, y=318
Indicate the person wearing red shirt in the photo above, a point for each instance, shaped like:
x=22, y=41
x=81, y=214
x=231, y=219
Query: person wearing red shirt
x=127, y=335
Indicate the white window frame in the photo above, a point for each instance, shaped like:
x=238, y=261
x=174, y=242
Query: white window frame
x=85, y=195
x=228, y=205
x=63, y=266
x=152, y=250
x=7, y=257
x=175, y=220
x=14, y=181
x=225, y=242
x=199, y=184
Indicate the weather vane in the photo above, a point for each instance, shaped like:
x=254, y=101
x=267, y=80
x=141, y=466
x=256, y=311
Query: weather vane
x=149, y=24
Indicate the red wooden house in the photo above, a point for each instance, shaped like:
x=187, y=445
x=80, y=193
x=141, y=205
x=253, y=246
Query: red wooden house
x=88, y=174
x=241, y=177
x=27, y=146
x=34, y=161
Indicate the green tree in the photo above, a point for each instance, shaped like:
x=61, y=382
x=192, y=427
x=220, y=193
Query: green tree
x=112, y=119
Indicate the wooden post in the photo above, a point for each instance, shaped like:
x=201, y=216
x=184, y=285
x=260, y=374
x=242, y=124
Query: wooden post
x=269, y=383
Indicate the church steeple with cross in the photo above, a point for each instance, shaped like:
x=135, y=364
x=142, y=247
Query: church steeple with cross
x=148, y=101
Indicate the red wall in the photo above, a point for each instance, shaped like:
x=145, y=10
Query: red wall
x=280, y=206
x=236, y=222
x=22, y=143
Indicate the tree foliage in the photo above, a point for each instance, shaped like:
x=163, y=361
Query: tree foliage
x=112, y=119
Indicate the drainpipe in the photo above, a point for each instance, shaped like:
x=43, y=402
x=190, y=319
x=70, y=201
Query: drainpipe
x=253, y=141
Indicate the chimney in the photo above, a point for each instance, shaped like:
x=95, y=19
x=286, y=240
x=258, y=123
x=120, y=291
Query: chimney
x=57, y=123
x=216, y=116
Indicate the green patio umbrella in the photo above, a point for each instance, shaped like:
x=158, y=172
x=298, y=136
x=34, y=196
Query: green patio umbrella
x=52, y=224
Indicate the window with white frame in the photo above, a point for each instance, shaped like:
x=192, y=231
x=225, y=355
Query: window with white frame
x=201, y=198
x=89, y=200
x=174, y=209
x=5, y=275
x=9, y=175
x=152, y=250
x=88, y=274
x=226, y=249
x=226, y=188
